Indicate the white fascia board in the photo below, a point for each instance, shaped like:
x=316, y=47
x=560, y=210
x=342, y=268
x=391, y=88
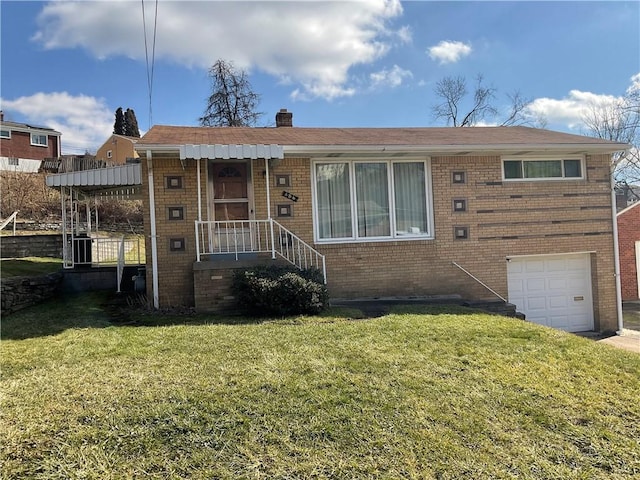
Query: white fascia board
x=456, y=149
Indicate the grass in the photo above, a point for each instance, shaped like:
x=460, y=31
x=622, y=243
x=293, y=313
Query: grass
x=437, y=393
x=29, y=266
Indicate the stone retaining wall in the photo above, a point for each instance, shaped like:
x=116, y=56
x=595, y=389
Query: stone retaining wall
x=22, y=246
x=17, y=293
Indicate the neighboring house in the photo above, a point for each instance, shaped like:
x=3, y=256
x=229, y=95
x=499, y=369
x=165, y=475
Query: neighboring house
x=626, y=195
x=117, y=149
x=629, y=246
x=23, y=147
x=394, y=211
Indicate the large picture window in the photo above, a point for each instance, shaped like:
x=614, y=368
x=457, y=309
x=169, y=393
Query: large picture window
x=372, y=200
x=542, y=169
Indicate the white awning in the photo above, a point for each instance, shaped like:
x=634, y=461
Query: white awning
x=226, y=152
x=123, y=182
x=119, y=176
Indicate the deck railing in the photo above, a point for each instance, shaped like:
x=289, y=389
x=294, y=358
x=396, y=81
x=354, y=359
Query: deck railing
x=103, y=251
x=256, y=236
x=7, y=220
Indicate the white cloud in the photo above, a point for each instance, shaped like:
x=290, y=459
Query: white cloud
x=389, y=78
x=313, y=44
x=571, y=109
x=449, y=52
x=635, y=84
x=85, y=122
x=405, y=35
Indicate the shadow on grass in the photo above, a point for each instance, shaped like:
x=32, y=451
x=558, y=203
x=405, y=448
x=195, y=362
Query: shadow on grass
x=55, y=316
x=102, y=310
x=108, y=309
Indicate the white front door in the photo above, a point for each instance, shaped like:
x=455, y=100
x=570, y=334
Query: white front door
x=553, y=290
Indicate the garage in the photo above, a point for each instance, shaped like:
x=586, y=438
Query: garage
x=553, y=290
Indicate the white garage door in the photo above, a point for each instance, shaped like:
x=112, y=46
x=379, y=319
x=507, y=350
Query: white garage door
x=553, y=290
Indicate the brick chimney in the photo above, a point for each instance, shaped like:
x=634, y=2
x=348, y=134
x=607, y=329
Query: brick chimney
x=284, y=118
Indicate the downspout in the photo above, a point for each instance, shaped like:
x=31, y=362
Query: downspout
x=154, y=241
x=616, y=252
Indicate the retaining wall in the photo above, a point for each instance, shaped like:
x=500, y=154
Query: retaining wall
x=21, y=246
x=17, y=293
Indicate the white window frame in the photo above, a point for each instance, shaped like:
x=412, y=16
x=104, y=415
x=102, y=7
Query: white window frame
x=7, y=131
x=109, y=153
x=394, y=236
x=542, y=158
x=39, y=136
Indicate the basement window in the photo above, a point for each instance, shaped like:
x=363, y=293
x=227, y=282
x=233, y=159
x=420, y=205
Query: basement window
x=542, y=169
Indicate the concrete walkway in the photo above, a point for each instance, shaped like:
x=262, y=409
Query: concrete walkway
x=629, y=340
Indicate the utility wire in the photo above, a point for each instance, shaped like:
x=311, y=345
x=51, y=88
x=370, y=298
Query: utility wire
x=150, y=68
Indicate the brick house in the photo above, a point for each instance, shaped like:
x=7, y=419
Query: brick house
x=516, y=212
x=23, y=147
x=629, y=247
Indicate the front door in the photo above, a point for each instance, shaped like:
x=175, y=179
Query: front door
x=230, y=191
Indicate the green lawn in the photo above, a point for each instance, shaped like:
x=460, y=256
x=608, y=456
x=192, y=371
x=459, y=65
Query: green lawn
x=442, y=395
x=29, y=266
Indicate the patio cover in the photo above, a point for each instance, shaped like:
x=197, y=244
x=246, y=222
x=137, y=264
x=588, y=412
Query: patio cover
x=122, y=181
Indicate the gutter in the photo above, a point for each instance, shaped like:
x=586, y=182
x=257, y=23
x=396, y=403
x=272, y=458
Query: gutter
x=459, y=149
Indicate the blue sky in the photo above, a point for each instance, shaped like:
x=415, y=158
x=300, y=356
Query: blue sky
x=69, y=65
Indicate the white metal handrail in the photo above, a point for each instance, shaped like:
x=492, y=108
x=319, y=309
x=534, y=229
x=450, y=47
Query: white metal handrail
x=481, y=282
x=101, y=251
x=6, y=221
x=238, y=237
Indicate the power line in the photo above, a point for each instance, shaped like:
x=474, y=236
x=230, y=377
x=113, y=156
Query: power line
x=150, y=68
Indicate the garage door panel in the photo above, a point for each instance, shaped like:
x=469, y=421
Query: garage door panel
x=554, y=290
x=558, y=302
x=536, y=303
x=516, y=286
x=579, y=322
x=578, y=283
x=533, y=266
x=556, y=265
x=536, y=285
x=559, y=321
x=557, y=284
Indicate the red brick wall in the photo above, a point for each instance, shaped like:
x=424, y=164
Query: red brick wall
x=628, y=235
x=19, y=145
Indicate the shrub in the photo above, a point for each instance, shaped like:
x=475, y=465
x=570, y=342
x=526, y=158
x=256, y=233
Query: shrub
x=276, y=290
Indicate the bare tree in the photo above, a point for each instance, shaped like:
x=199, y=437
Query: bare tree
x=232, y=102
x=452, y=91
x=619, y=121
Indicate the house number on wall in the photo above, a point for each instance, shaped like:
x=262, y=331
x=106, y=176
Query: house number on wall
x=290, y=196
